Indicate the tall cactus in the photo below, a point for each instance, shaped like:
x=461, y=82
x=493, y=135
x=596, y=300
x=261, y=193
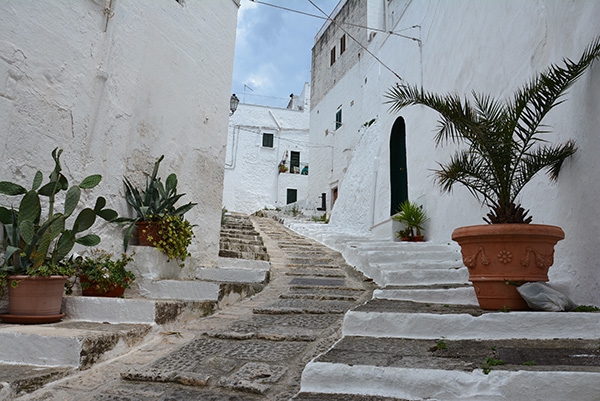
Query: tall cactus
x=31, y=241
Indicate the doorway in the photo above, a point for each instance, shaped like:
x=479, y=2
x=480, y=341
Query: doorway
x=398, y=173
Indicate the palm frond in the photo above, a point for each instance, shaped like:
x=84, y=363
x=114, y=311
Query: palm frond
x=550, y=157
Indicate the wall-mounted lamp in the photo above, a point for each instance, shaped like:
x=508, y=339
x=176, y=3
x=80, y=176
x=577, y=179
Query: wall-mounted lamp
x=233, y=104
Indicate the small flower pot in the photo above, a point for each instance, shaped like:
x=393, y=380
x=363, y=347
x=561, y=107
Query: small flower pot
x=92, y=289
x=145, y=230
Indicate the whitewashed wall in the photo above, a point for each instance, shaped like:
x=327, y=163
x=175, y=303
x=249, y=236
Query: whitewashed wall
x=116, y=94
x=252, y=179
x=494, y=47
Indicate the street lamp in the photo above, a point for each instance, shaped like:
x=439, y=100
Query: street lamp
x=233, y=104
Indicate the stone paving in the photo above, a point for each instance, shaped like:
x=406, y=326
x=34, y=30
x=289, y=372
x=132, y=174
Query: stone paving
x=254, y=350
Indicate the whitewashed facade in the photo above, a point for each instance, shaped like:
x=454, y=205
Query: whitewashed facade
x=116, y=84
x=260, y=139
x=457, y=46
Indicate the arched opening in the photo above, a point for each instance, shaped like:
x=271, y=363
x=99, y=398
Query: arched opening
x=398, y=173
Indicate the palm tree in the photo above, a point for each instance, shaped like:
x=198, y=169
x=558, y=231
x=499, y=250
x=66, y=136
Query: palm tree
x=505, y=145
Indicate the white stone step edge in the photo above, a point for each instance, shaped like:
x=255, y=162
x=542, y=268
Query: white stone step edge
x=110, y=310
x=455, y=296
x=51, y=346
x=449, y=385
x=489, y=326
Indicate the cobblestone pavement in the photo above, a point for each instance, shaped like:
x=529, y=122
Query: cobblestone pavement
x=254, y=350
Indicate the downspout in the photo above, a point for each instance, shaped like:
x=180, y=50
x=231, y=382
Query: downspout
x=278, y=148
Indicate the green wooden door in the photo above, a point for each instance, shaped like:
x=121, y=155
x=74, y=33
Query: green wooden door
x=398, y=174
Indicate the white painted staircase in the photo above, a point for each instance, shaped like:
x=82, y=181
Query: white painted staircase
x=423, y=337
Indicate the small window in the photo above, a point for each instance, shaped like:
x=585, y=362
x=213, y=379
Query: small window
x=338, y=119
x=295, y=162
x=342, y=44
x=292, y=195
x=332, y=60
x=267, y=140
x=334, y=195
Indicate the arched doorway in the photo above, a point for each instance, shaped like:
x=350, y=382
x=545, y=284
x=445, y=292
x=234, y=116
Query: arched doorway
x=398, y=174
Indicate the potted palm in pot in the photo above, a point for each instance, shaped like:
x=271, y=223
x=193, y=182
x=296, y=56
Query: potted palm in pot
x=504, y=149
x=37, y=245
x=413, y=217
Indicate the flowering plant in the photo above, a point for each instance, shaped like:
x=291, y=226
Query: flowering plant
x=104, y=273
x=173, y=236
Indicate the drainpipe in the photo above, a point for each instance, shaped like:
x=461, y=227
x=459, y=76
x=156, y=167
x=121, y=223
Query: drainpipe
x=278, y=147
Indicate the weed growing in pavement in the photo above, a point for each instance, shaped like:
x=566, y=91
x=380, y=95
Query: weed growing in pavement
x=489, y=362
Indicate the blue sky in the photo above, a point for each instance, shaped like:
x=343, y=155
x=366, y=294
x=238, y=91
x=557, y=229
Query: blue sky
x=273, y=49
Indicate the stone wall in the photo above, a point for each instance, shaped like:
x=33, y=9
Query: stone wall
x=116, y=88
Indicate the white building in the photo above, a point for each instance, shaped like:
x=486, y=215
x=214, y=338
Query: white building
x=451, y=46
x=116, y=84
x=260, y=140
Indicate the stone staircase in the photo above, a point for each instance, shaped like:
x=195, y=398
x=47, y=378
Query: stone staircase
x=97, y=329
x=423, y=336
x=240, y=240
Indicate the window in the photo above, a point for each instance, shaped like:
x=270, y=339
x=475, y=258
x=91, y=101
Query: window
x=332, y=59
x=338, y=119
x=295, y=162
x=334, y=195
x=267, y=140
x=292, y=196
x=342, y=44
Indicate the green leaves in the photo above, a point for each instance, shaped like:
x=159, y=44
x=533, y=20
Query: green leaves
x=157, y=200
x=504, y=148
x=91, y=181
x=9, y=188
x=34, y=241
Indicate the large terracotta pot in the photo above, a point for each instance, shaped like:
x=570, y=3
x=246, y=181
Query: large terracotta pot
x=35, y=299
x=499, y=256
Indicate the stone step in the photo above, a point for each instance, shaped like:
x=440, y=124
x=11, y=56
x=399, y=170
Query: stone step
x=23, y=378
x=304, y=306
x=341, y=397
x=257, y=247
x=132, y=310
x=450, y=370
x=460, y=295
x=421, y=276
x=68, y=343
x=243, y=255
x=251, y=238
x=401, y=256
x=404, y=319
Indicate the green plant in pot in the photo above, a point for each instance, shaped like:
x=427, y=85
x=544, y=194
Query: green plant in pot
x=102, y=276
x=38, y=240
x=503, y=148
x=413, y=217
x=159, y=222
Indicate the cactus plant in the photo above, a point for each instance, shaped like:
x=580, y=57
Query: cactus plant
x=153, y=203
x=32, y=244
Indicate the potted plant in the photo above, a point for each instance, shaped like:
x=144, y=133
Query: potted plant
x=505, y=148
x=413, y=217
x=36, y=262
x=282, y=167
x=159, y=222
x=101, y=276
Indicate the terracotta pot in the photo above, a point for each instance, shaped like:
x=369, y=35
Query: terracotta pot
x=115, y=291
x=35, y=299
x=146, y=229
x=499, y=253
